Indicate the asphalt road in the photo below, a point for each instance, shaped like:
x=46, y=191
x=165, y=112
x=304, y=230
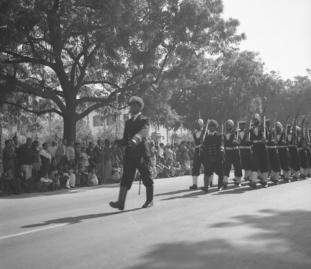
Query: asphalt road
x=236, y=228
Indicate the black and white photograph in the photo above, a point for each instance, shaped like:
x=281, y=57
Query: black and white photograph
x=155, y=134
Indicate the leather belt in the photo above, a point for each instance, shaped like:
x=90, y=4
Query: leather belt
x=271, y=147
x=231, y=148
x=245, y=147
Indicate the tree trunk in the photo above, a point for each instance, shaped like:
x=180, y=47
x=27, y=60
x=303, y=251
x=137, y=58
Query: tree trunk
x=70, y=122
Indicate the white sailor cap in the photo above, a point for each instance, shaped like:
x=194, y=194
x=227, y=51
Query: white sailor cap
x=137, y=99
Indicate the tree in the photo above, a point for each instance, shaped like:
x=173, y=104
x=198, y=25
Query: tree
x=77, y=55
x=223, y=87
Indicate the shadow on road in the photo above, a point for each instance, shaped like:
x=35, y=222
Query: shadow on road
x=59, y=192
x=282, y=240
x=77, y=219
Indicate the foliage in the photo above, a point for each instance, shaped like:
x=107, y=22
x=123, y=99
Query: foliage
x=78, y=54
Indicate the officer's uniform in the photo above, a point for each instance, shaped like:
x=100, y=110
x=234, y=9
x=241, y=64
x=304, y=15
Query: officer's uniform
x=136, y=156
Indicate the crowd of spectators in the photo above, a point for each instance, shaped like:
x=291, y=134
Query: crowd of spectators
x=34, y=167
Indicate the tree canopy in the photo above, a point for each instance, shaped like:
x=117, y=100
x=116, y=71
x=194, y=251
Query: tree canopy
x=77, y=55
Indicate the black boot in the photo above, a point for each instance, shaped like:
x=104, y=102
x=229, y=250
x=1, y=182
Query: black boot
x=149, y=197
x=121, y=201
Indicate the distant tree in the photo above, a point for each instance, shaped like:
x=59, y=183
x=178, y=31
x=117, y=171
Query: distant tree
x=223, y=88
x=78, y=54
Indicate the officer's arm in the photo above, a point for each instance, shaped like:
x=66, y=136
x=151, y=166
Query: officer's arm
x=141, y=134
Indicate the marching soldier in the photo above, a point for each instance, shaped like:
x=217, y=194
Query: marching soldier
x=293, y=151
x=245, y=147
x=136, y=154
x=260, y=157
x=213, y=155
x=309, y=151
x=273, y=155
x=282, y=150
x=302, y=149
x=232, y=155
x=198, y=135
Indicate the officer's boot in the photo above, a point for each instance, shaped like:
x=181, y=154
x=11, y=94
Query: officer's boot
x=195, y=183
x=149, y=197
x=121, y=201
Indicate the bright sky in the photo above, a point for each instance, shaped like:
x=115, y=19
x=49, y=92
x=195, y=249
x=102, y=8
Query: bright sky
x=280, y=30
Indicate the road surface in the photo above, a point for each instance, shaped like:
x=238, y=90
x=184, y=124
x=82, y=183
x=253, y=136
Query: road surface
x=236, y=228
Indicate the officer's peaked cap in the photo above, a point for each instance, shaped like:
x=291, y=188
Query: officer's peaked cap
x=138, y=100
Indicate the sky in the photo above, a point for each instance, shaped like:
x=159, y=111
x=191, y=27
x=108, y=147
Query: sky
x=280, y=30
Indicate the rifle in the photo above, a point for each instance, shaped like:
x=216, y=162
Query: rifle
x=294, y=129
x=264, y=127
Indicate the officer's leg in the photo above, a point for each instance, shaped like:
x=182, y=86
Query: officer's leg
x=208, y=175
x=144, y=170
x=129, y=170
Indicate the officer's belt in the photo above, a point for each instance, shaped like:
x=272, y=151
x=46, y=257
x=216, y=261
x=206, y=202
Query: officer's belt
x=245, y=147
x=197, y=146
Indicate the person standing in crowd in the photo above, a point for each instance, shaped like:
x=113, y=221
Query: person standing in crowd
x=107, y=161
x=70, y=155
x=232, y=154
x=184, y=157
x=11, y=183
x=260, y=157
x=160, y=151
x=99, y=159
x=198, y=137
x=60, y=155
x=46, y=159
x=213, y=155
x=137, y=155
x=37, y=160
x=26, y=158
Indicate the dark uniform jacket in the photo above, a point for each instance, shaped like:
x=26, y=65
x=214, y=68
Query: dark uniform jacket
x=212, y=147
x=136, y=129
